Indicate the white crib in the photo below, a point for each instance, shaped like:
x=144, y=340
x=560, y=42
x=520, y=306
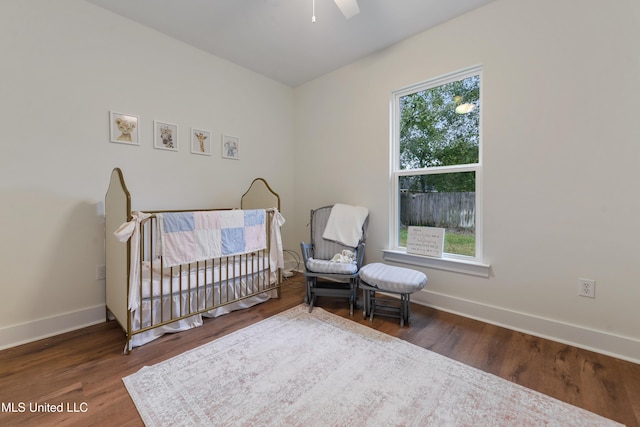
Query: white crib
x=149, y=299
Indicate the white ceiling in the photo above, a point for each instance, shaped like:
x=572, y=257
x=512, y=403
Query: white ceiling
x=277, y=39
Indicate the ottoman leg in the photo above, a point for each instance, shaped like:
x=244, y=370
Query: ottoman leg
x=372, y=306
x=365, y=303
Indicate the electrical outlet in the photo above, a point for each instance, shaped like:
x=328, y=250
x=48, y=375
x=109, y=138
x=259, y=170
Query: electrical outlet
x=587, y=288
x=101, y=272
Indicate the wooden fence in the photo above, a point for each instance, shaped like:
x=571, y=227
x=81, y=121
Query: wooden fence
x=447, y=210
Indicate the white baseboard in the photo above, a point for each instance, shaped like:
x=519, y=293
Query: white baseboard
x=624, y=348
x=22, y=333
x=617, y=346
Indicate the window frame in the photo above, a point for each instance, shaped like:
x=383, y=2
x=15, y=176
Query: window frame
x=451, y=262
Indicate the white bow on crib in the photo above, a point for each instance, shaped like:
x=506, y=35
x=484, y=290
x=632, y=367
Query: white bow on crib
x=131, y=230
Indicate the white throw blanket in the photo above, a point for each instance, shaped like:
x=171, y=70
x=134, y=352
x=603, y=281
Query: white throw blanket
x=345, y=224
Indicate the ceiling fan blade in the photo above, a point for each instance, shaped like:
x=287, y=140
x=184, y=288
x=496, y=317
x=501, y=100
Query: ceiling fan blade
x=349, y=8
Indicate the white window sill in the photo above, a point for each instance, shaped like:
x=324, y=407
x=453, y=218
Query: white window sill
x=457, y=265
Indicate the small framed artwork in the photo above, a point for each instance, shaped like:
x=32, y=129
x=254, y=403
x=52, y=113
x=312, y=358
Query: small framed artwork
x=201, y=142
x=124, y=128
x=165, y=136
x=230, y=147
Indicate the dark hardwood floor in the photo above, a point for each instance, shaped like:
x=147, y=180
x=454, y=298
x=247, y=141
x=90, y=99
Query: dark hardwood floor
x=83, y=370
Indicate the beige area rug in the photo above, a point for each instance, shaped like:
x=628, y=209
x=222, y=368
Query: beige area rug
x=318, y=369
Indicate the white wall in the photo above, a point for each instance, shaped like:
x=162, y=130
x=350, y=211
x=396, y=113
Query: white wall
x=561, y=148
x=65, y=65
x=560, y=143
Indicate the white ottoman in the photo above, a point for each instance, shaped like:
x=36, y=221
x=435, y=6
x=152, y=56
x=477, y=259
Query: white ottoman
x=389, y=279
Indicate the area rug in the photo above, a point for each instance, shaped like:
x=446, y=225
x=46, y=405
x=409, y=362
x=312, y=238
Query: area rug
x=317, y=369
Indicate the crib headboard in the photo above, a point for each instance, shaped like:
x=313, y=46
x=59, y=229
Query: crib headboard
x=117, y=210
x=260, y=196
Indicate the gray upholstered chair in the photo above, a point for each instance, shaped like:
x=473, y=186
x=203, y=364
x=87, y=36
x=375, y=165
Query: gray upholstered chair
x=325, y=277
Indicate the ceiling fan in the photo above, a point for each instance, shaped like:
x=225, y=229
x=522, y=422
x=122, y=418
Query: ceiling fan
x=349, y=8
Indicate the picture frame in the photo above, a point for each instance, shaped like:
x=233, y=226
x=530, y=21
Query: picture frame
x=165, y=136
x=201, y=142
x=230, y=147
x=428, y=241
x=124, y=128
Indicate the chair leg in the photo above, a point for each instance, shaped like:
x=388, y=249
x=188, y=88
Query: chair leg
x=306, y=294
x=311, y=297
x=353, y=295
x=307, y=291
x=351, y=300
x=356, y=284
x=312, y=291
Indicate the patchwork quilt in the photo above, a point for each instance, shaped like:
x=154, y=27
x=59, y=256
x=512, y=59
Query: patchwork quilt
x=196, y=236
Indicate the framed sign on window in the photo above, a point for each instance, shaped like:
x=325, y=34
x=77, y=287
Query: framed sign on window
x=428, y=241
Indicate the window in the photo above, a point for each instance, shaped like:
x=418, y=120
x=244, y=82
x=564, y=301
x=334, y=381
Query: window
x=436, y=163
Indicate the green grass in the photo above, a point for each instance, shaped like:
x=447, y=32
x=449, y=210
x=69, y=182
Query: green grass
x=454, y=242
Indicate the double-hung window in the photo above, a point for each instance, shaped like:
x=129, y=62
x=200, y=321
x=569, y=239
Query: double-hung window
x=436, y=168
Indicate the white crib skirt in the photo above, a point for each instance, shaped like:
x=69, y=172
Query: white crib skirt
x=157, y=310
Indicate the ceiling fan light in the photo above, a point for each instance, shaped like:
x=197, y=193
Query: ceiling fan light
x=465, y=108
x=349, y=8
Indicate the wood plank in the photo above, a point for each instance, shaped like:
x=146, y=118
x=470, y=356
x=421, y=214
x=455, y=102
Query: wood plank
x=88, y=365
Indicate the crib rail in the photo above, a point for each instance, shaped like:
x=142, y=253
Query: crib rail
x=171, y=294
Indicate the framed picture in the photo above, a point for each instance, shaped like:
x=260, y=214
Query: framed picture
x=124, y=128
x=165, y=136
x=427, y=241
x=230, y=147
x=201, y=141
